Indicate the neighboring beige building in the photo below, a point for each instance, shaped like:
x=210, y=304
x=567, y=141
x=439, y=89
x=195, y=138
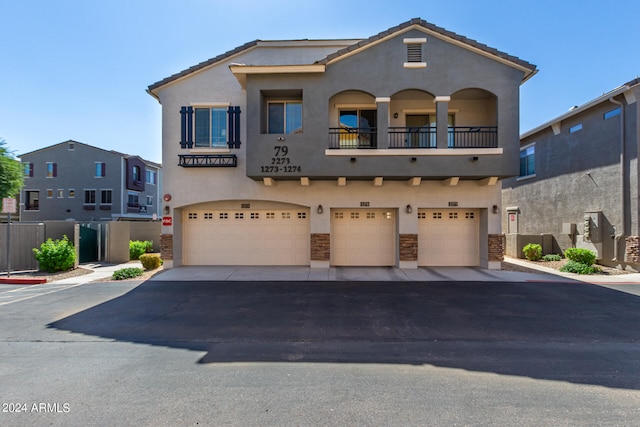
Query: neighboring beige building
x=387, y=151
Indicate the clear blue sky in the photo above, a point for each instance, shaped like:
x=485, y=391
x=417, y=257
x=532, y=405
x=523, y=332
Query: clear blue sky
x=78, y=69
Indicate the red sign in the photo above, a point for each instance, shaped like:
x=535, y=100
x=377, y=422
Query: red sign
x=167, y=220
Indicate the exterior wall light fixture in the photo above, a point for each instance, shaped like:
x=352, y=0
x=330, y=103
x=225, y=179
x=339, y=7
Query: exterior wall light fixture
x=409, y=209
x=167, y=210
x=320, y=210
x=495, y=209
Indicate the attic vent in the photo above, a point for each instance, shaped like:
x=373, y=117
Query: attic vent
x=71, y=146
x=414, y=53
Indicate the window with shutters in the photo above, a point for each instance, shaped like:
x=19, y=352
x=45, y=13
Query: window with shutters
x=216, y=125
x=28, y=170
x=52, y=170
x=101, y=170
x=415, y=54
x=211, y=127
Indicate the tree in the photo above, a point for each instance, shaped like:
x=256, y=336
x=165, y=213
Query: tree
x=11, y=175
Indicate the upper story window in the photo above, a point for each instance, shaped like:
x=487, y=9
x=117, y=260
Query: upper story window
x=527, y=161
x=211, y=127
x=216, y=125
x=52, y=170
x=575, y=128
x=151, y=177
x=90, y=197
x=133, y=199
x=28, y=170
x=285, y=117
x=101, y=170
x=414, y=53
x=135, y=173
x=105, y=197
x=612, y=113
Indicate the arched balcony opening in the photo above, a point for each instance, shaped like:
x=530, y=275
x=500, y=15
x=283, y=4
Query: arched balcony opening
x=413, y=120
x=473, y=119
x=353, y=120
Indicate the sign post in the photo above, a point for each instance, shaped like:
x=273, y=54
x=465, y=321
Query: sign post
x=8, y=207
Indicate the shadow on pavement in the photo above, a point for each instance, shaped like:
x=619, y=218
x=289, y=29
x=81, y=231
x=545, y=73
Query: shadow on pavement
x=578, y=333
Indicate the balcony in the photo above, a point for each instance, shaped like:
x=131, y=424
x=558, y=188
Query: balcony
x=350, y=138
x=473, y=137
x=414, y=137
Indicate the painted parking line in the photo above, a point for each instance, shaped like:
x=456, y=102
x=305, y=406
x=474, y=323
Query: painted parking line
x=25, y=293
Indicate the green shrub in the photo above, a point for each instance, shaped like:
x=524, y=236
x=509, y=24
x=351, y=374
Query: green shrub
x=127, y=273
x=579, y=268
x=137, y=248
x=583, y=256
x=150, y=261
x=532, y=252
x=552, y=257
x=58, y=255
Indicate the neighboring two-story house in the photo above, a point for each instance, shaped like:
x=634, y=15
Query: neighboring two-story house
x=386, y=151
x=76, y=181
x=578, y=182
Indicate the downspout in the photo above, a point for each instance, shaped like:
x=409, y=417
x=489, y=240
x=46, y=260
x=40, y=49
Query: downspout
x=623, y=232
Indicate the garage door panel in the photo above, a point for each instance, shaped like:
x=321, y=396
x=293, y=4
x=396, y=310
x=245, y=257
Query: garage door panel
x=247, y=237
x=363, y=237
x=448, y=237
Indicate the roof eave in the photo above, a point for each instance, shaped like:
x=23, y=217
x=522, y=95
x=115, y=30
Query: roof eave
x=575, y=111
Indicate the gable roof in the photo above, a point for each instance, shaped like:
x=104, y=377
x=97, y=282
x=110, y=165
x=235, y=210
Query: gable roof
x=440, y=32
x=202, y=65
x=117, y=153
x=357, y=44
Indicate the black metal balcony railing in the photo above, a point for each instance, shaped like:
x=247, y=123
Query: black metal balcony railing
x=415, y=137
x=412, y=137
x=473, y=137
x=353, y=138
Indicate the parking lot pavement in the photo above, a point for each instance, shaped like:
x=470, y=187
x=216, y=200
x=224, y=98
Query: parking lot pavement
x=316, y=353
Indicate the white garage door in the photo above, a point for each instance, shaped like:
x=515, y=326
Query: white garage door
x=448, y=237
x=246, y=237
x=363, y=237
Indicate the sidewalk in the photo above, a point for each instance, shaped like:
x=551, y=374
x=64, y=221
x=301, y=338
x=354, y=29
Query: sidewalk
x=99, y=271
x=371, y=274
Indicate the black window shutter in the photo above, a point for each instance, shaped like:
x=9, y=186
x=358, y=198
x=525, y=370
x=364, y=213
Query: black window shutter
x=186, y=127
x=104, y=169
x=55, y=169
x=189, y=127
x=183, y=127
x=234, y=127
x=30, y=170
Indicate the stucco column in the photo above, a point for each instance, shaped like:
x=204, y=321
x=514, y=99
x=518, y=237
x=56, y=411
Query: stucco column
x=383, y=121
x=442, y=120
